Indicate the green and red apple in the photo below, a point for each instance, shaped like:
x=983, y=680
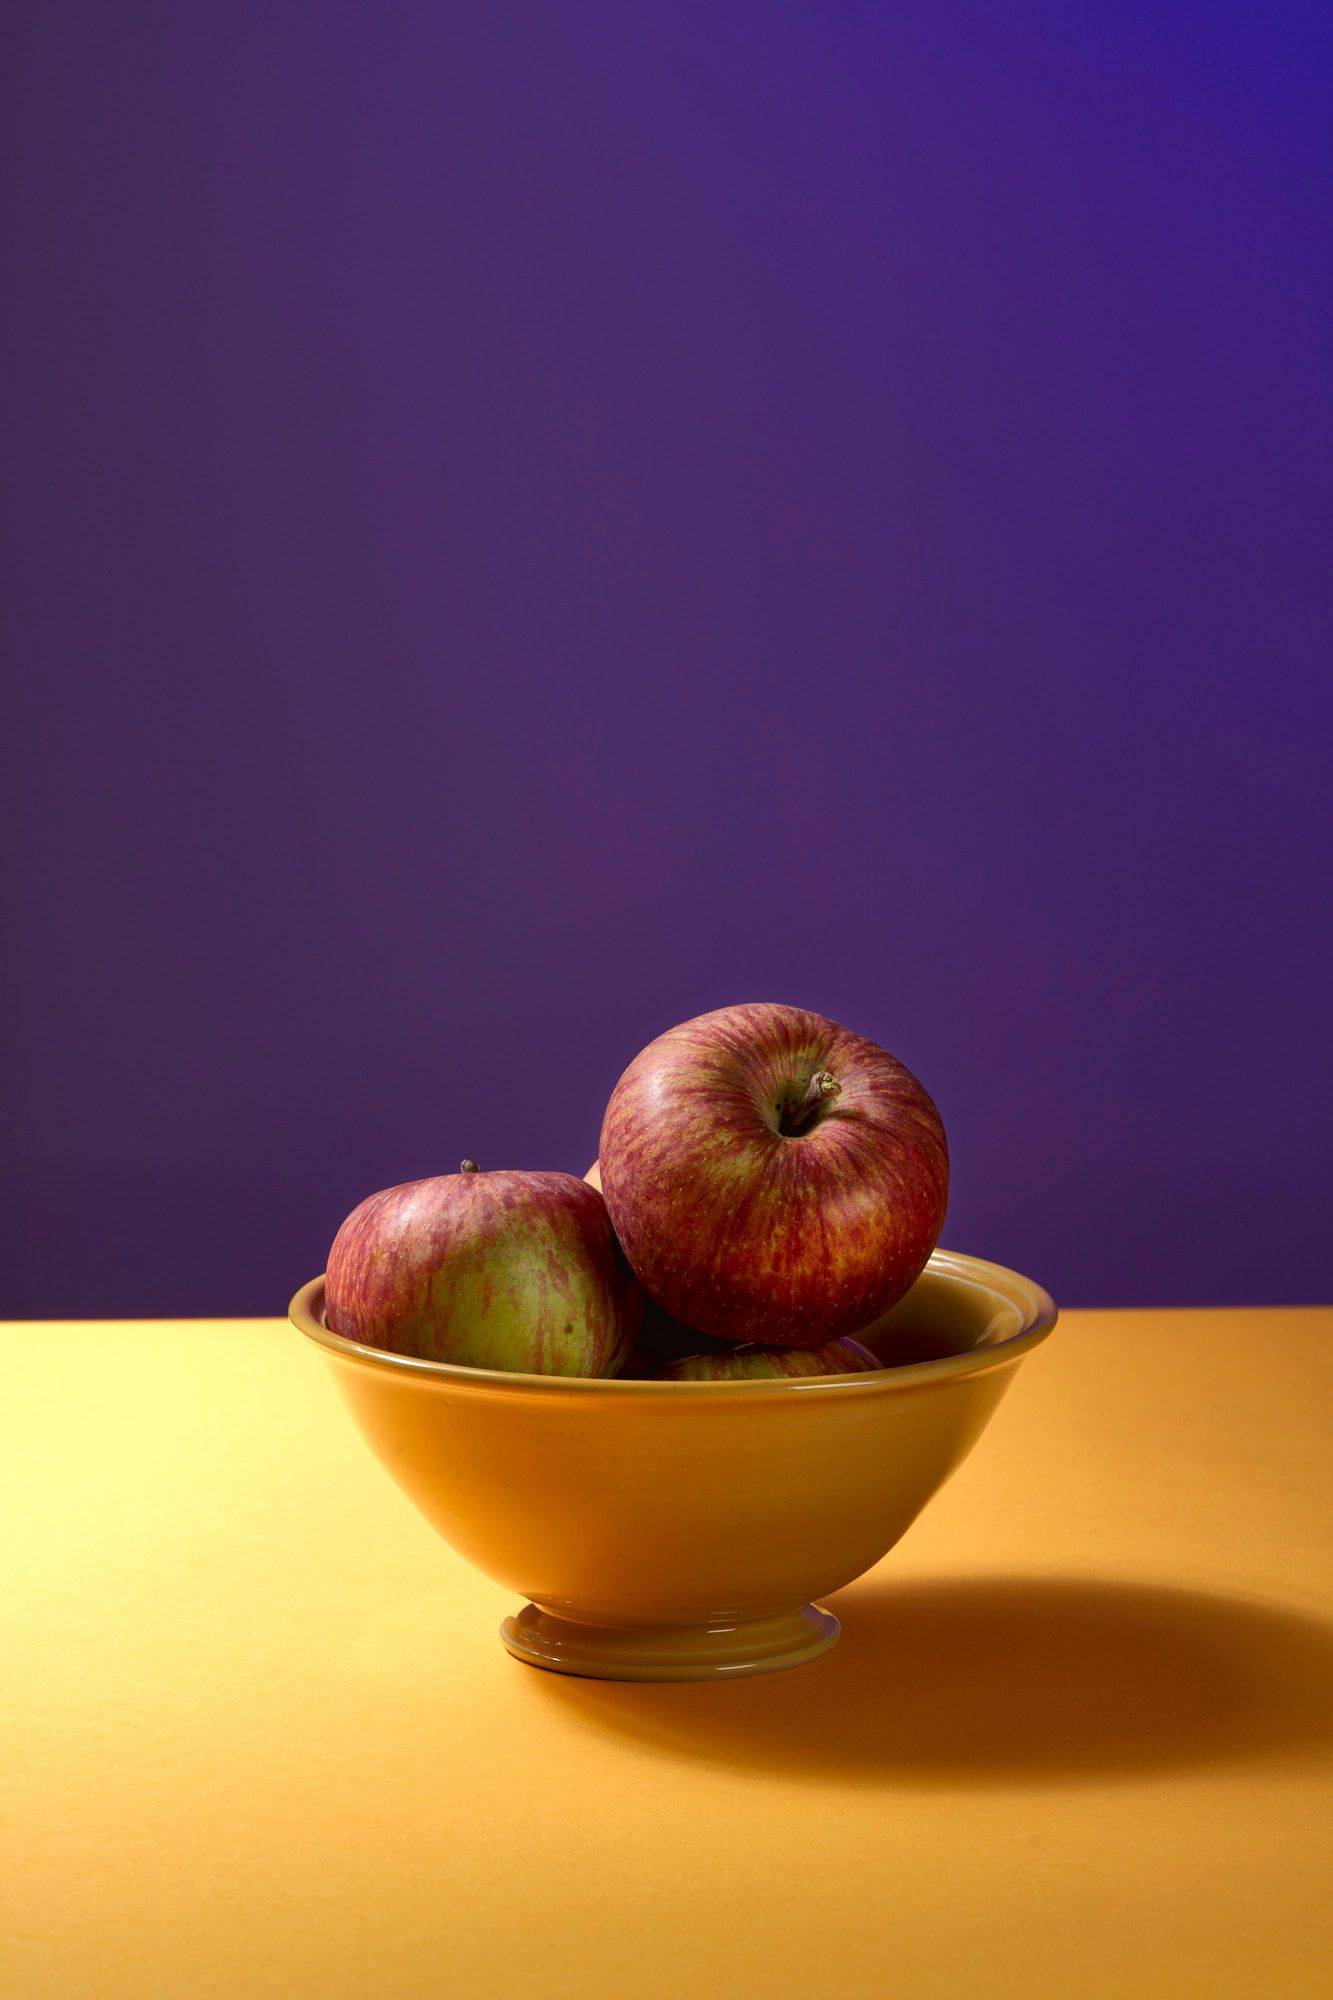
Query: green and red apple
x=507, y=1270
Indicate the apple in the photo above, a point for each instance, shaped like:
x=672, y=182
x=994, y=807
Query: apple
x=734, y=1363
x=594, y=1175
x=773, y=1177
x=504, y=1270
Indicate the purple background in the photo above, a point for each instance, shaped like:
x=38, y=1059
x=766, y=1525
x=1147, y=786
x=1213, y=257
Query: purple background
x=527, y=523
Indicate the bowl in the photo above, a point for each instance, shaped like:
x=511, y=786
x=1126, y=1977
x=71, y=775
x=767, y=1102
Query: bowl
x=682, y=1531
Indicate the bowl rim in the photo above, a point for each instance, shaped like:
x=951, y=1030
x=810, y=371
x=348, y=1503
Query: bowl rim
x=1009, y=1290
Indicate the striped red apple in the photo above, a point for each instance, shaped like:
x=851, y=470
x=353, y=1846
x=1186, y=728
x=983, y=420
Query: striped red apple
x=737, y=1363
x=773, y=1177
x=508, y=1270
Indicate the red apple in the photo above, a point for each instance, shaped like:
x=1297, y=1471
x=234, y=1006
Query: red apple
x=772, y=1176
x=487, y=1270
x=734, y=1363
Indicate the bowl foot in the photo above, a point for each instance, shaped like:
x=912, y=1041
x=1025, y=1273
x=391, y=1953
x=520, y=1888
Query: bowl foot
x=669, y=1652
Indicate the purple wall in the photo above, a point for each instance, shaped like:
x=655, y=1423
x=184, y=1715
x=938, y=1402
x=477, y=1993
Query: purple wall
x=528, y=523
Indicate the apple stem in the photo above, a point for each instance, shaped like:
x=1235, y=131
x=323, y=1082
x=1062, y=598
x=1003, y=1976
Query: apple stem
x=469, y=1167
x=821, y=1090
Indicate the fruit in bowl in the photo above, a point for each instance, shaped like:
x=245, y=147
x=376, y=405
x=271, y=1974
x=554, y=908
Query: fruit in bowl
x=736, y=1363
x=773, y=1177
x=506, y=1270
x=720, y=1375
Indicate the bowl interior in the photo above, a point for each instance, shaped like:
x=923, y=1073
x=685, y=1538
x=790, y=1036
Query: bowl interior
x=947, y=1312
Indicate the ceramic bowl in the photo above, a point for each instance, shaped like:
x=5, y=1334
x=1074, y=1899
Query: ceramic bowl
x=681, y=1530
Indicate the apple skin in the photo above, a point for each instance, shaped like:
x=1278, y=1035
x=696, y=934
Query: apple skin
x=594, y=1176
x=507, y=1270
x=765, y=1364
x=773, y=1177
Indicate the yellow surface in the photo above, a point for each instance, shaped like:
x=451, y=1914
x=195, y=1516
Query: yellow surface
x=260, y=1737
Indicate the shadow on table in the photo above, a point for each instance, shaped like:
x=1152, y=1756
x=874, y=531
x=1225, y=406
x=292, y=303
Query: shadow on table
x=1003, y=1681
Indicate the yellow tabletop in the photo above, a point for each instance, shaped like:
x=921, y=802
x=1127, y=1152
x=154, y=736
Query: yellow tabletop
x=260, y=1736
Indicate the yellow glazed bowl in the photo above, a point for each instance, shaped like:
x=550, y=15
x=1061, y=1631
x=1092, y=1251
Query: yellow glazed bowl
x=680, y=1530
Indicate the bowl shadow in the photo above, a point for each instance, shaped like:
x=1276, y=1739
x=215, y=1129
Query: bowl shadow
x=1003, y=1681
